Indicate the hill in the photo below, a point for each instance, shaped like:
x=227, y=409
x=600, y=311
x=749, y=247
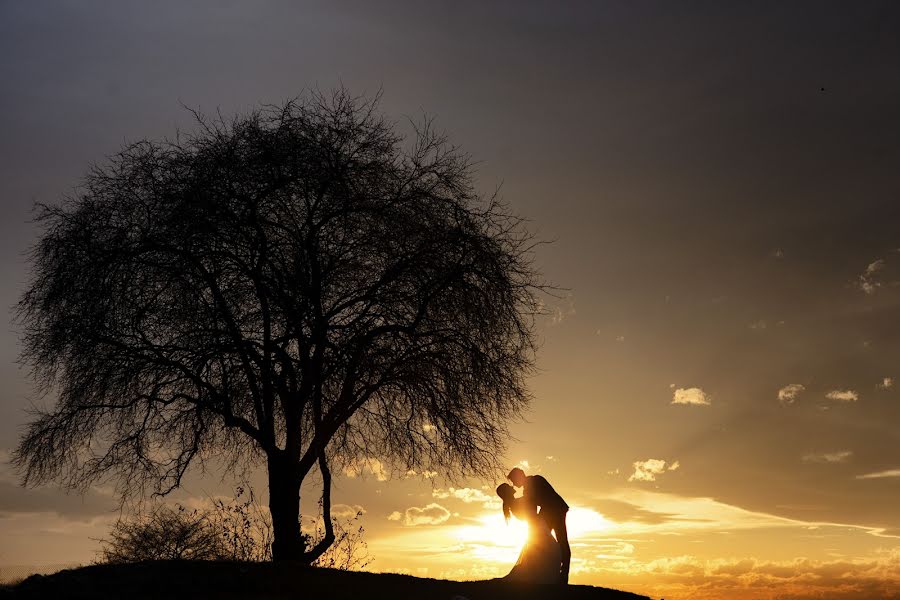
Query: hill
x=200, y=579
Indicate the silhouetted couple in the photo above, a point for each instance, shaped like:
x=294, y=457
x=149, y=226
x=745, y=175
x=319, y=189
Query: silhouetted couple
x=543, y=559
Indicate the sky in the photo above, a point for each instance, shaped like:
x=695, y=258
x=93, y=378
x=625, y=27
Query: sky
x=717, y=395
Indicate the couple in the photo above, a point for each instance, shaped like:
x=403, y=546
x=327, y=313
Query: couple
x=543, y=559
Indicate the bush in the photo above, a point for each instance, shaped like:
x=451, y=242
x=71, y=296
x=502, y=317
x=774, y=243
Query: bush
x=165, y=533
x=245, y=526
x=349, y=552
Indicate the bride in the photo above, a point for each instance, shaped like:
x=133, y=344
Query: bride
x=539, y=561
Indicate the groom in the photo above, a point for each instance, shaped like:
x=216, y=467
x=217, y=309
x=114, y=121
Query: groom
x=539, y=492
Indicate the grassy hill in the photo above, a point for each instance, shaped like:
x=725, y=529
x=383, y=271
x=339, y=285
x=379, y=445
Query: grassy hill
x=198, y=579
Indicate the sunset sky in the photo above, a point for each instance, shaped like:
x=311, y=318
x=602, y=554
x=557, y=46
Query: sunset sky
x=718, y=395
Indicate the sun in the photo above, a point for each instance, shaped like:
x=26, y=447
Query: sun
x=489, y=537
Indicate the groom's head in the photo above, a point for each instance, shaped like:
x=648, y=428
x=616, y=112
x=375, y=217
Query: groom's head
x=517, y=476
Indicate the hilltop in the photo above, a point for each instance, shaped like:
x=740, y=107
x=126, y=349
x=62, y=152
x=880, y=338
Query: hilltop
x=201, y=579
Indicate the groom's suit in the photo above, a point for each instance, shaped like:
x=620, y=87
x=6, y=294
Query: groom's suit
x=539, y=492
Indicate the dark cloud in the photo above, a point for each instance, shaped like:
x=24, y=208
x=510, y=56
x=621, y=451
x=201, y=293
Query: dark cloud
x=14, y=500
x=622, y=512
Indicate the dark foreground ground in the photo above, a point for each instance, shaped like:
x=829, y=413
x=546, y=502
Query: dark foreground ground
x=196, y=579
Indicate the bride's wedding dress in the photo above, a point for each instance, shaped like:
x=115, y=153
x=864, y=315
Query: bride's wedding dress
x=539, y=560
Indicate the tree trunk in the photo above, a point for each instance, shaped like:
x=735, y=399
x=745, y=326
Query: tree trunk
x=284, y=503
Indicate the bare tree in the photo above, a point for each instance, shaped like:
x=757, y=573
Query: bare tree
x=294, y=287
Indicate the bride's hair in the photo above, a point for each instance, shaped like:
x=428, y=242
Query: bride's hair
x=507, y=493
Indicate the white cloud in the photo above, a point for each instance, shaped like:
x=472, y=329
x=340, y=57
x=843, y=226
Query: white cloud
x=788, y=394
x=426, y=474
x=828, y=457
x=433, y=514
x=614, y=550
x=468, y=495
x=359, y=467
x=647, y=470
x=887, y=382
x=842, y=395
x=866, y=281
x=691, y=396
x=347, y=511
x=563, y=310
x=880, y=474
x=874, y=267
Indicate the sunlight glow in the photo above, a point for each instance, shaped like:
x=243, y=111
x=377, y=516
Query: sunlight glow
x=584, y=521
x=491, y=538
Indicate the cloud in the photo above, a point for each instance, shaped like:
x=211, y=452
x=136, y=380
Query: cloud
x=874, y=267
x=866, y=281
x=842, y=395
x=647, y=470
x=694, y=396
x=617, y=549
x=563, y=310
x=886, y=383
x=346, y=511
x=359, y=467
x=620, y=511
x=15, y=499
x=788, y=394
x=468, y=495
x=426, y=474
x=828, y=457
x=433, y=514
x=880, y=474
x=668, y=514
x=748, y=577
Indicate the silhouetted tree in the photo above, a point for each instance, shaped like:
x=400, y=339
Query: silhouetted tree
x=292, y=287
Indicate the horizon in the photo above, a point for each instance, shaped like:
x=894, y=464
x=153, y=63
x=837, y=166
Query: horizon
x=716, y=394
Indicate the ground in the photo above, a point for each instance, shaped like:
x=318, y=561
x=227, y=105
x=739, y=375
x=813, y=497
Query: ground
x=199, y=579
